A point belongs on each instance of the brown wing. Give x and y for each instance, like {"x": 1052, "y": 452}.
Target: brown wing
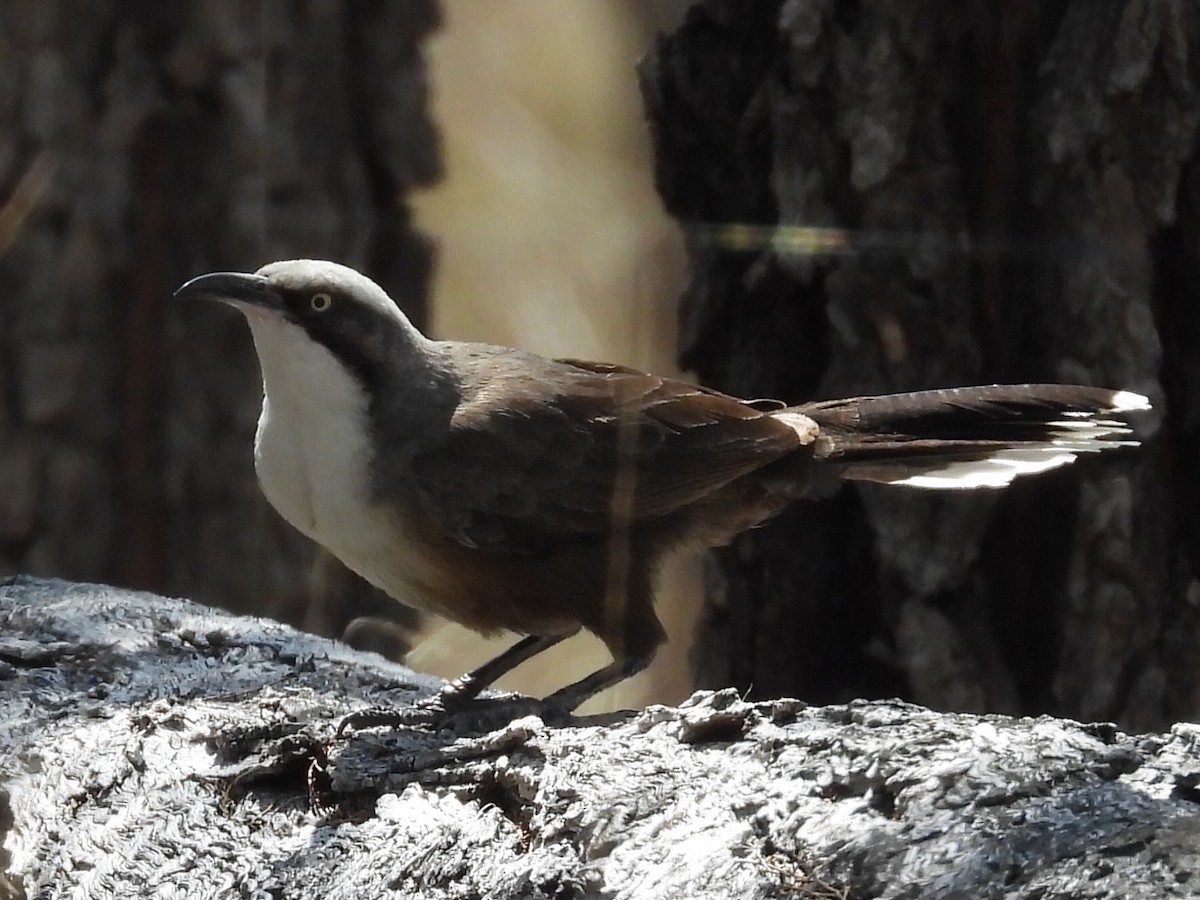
{"x": 540, "y": 449}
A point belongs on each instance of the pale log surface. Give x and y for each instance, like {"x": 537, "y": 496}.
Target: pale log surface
{"x": 155, "y": 745}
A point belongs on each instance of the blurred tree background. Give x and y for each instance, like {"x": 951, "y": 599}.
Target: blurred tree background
{"x": 873, "y": 196}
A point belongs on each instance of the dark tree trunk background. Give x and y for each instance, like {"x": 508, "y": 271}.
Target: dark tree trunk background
{"x": 1021, "y": 189}
{"x": 141, "y": 144}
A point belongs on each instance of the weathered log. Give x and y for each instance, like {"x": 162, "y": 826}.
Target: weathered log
{"x": 156, "y": 746}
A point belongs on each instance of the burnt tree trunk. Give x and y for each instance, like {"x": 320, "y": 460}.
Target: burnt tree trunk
{"x": 998, "y": 192}
{"x": 141, "y": 144}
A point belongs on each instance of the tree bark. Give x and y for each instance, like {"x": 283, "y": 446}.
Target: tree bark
{"x": 893, "y": 196}
{"x": 141, "y": 144}
{"x": 152, "y": 746}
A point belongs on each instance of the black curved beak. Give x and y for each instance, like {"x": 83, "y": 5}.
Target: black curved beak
{"x": 238, "y": 288}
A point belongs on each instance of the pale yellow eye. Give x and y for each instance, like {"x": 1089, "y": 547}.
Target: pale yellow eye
{"x": 320, "y": 302}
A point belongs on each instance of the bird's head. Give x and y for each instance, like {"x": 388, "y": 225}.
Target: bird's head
{"x": 302, "y": 291}
{"x": 295, "y": 304}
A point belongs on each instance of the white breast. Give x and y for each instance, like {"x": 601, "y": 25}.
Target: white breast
{"x": 311, "y": 454}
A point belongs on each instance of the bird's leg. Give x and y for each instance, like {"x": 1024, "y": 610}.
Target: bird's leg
{"x": 567, "y": 699}
{"x": 632, "y": 633}
{"x": 465, "y": 688}
{"x": 458, "y": 694}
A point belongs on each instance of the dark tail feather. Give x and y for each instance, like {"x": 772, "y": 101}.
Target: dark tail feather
{"x": 969, "y": 437}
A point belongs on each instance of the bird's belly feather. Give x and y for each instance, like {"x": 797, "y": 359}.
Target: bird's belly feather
{"x": 317, "y": 480}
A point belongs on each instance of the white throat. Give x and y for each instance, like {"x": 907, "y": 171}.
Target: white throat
{"x": 311, "y": 451}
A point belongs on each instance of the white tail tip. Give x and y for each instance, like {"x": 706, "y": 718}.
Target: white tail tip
{"x": 1128, "y": 401}
{"x": 994, "y": 472}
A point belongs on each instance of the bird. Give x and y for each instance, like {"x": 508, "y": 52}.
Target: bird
{"x": 511, "y": 492}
